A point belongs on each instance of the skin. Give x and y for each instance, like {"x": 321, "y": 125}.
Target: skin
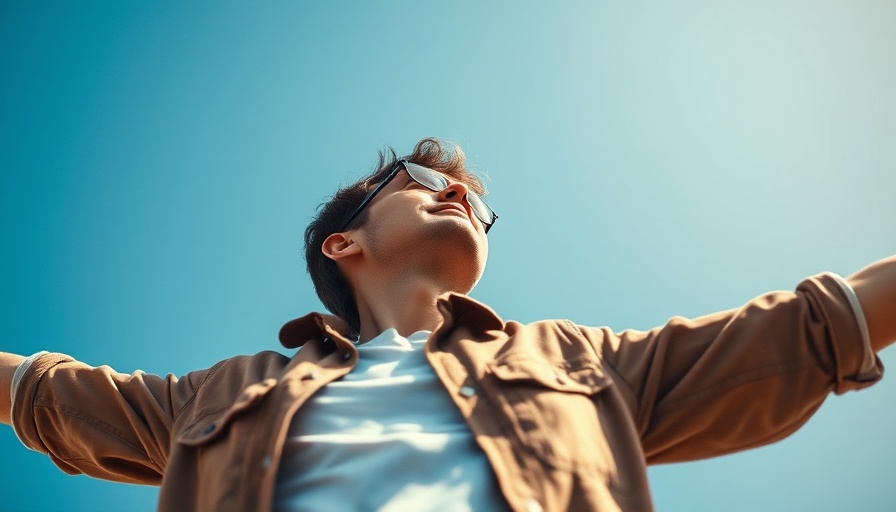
{"x": 875, "y": 286}
{"x": 8, "y": 363}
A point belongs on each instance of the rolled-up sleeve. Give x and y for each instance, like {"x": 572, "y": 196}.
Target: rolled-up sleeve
{"x": 842, "y": 325}
{"x": 20, "y": 371}
{"x": 870, "y": 369}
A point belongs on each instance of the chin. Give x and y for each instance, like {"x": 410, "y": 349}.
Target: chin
{"x": 459, "y": 257}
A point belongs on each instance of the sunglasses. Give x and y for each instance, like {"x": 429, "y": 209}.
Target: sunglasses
{"x": 433, "y": 180}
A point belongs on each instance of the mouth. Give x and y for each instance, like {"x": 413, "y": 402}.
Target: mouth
{"x": 455, "y": 208}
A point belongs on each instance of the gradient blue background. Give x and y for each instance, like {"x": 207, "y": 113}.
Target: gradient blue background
{"x": 160, "y": 161}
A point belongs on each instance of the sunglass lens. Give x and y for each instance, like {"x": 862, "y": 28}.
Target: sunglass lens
{"x": 426, "y": 177}
{"x": 482, "y": 211}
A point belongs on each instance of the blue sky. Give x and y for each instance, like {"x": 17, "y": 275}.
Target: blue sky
{"x": 159, "y": 163}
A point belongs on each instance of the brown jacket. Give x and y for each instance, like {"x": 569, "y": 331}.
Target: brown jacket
{"x": 568, "y": 416}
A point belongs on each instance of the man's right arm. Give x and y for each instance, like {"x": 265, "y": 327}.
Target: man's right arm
{"x": 8, "y": 365}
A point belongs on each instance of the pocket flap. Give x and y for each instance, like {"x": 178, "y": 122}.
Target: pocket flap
{"x": 578, "y": 376}
{"x": 210, "y": 425}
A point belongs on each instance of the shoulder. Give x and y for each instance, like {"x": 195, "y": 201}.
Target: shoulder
{"x": 249, "y": 368}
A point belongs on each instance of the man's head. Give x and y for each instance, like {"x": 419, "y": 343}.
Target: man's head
{"x": 373, "y": 219}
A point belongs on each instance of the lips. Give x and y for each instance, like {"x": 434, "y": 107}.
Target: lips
{"x": 451, "y": 207}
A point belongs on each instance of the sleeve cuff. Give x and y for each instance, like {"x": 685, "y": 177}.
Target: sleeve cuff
{"x": 869, "y": 361}
{"x": 14, "y": 385}
{"x": 22, "y": 391}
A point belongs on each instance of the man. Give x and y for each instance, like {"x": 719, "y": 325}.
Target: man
{"x": 415, "y": 396}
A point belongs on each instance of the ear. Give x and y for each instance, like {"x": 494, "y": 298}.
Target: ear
{"x": 338, "y": 246}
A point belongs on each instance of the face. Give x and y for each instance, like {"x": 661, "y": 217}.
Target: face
{"x": 436, "y": 232}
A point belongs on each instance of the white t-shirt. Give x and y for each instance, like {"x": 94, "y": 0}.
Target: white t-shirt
{"x": 385, "y": 437}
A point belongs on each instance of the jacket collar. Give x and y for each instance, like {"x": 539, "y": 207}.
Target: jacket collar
{"x": 299, "y": 331}
{"x": 456, "y": 309}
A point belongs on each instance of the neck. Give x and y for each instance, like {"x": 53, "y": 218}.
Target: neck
{"x": 404, "y": 302}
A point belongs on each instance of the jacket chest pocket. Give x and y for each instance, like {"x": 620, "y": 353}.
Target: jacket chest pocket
{"x": 551, "y": 410}
{"x": 209, "y": 426}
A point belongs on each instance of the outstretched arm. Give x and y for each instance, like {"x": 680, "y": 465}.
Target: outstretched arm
{"x": 8, "y": 364}
{"x": 875, "y": 286}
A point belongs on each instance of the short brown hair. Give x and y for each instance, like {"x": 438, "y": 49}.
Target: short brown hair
{"x": 329, "y": 283}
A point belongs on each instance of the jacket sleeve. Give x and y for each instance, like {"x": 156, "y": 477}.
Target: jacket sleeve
{"x": 740, "y": 378}
{"x": 96, "y": 421}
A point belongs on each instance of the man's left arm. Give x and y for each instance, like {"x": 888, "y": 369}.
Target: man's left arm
{"x": 875, "y": 287}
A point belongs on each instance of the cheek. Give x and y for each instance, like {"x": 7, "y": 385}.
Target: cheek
{"x": 483, "y": 252}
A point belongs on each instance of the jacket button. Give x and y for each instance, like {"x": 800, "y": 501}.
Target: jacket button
{"x": 311, "y": 376}
{"x": 209, "y": 429}
{"x": 347, "y": 355}
{"x": 467, "y": 391}
{"x": 266, "y": 462}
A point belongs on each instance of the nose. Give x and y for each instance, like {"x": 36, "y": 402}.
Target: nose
{"x": 455, "y": 191}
